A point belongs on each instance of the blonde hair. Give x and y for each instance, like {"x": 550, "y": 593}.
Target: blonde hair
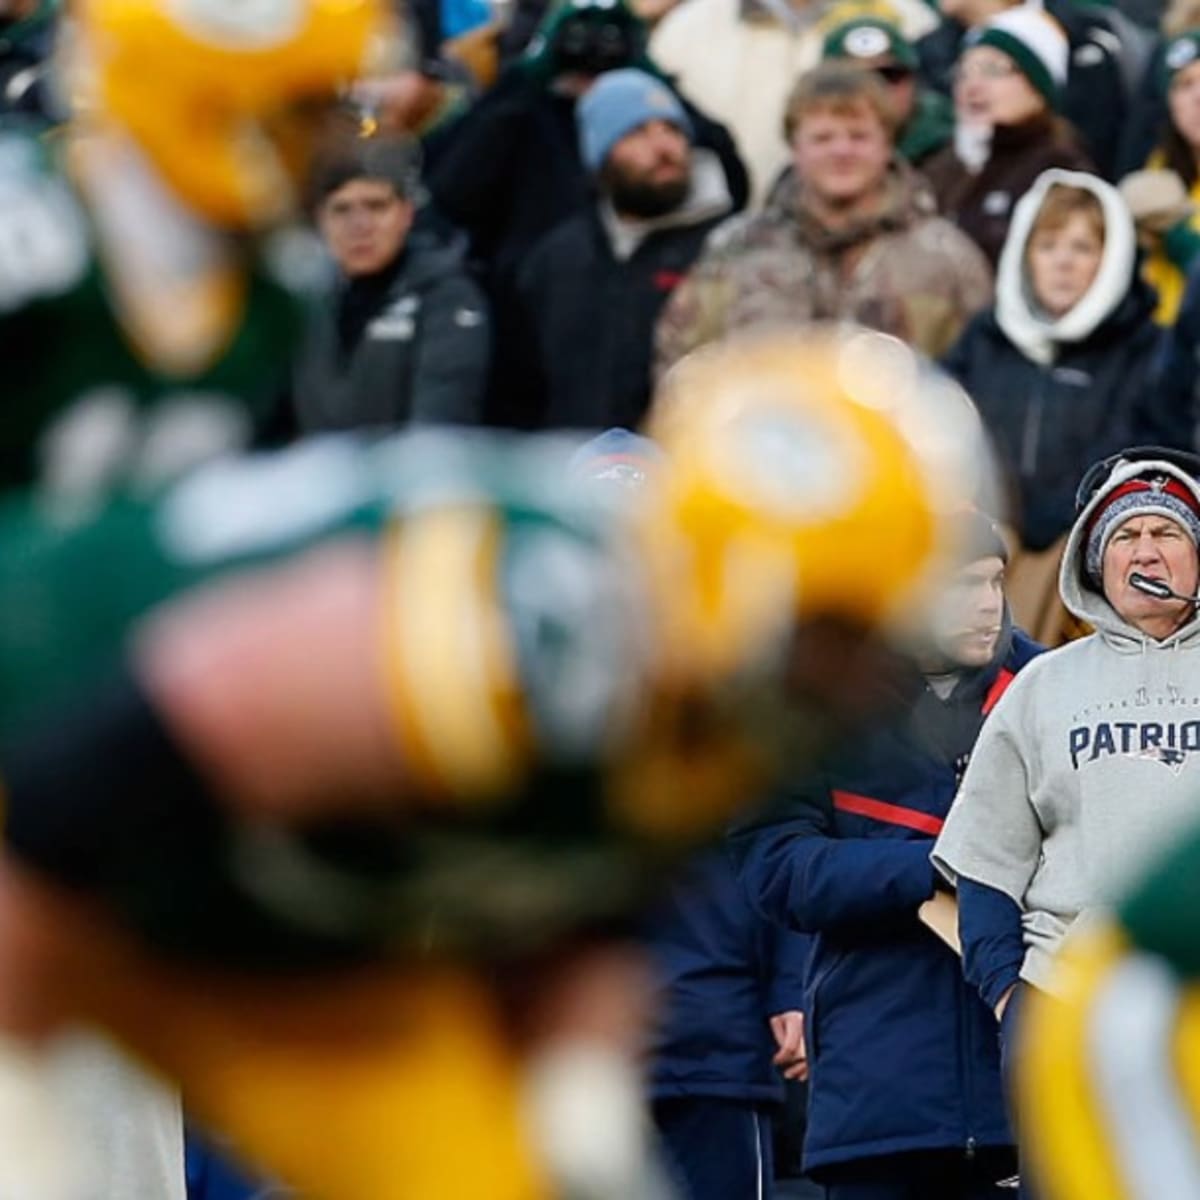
{"x": 837, "y": 87}
{"x": 1061, "y": 203}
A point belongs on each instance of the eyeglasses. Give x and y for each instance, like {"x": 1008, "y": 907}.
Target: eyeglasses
{"x": 894, "y": 73}
{"x": 1095, "y": 477}
{"x": 990, "y": 69}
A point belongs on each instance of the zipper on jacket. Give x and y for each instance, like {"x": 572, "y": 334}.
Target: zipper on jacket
{"x": 1031, "y": 435}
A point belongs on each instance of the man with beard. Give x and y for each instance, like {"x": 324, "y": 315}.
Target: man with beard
{"x": 588, "y": 297}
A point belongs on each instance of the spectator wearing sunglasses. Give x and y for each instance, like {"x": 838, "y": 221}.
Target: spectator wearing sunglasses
{"x": 924, "y": 118}
{"x": 1007, "y": 90}
{"x": 1089, "y": 766}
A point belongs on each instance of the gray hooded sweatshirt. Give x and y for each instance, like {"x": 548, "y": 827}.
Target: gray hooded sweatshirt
{"x": 1088, "y": 764}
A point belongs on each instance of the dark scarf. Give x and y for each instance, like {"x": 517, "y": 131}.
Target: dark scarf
{"x": 359, "y": 303}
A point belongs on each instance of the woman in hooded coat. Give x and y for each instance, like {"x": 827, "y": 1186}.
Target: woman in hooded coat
{"x": 1057, "y": 367}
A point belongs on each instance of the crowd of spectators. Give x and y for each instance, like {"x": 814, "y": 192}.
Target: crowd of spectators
{"x": 556, "y": 203}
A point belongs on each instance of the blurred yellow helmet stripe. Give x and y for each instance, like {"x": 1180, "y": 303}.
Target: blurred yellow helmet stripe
{"x": 451, "y": 666}
{"x": 1063, "y": 1128}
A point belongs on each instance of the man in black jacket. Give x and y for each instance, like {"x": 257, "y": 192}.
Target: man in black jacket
{"x": 578, "y": 353}
{"x": 509, "y": 171}
{"x": 405, "y": 335}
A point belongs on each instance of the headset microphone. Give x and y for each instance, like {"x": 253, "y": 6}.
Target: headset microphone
{"x": 1158, "y": 589}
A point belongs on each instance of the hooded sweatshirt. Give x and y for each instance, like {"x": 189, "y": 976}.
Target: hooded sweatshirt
{"x": 1088, "y": 765}
{"x": 1058, "y": 393}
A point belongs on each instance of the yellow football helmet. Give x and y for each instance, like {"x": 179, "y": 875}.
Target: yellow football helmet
{"x": 225, "y": 95}
{"x": 813, "y": 475}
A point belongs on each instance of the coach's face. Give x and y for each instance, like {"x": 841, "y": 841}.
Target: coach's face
{"x": 1161, "y": 549}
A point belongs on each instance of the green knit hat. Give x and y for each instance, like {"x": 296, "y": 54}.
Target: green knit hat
{"x": 1178, "y": 53}
{"x": 869, "y": 37}
{"x": 1035, "y": 42}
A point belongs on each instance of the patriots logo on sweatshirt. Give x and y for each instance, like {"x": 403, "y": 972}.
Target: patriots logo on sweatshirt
{"x": 1166, "y": 742}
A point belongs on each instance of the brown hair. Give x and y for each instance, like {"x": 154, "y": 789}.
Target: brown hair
{"x": 839, "y": 87}
{"x": 1061, "y": 203}
{"x": 1177, "y": 154}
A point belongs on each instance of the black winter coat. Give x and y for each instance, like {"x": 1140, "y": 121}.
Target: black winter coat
{"x": 423, "y": 354}
{"x": 981, "y": 204}
{"x": 1051, "y": 422}
{"x": 580, "y": 351}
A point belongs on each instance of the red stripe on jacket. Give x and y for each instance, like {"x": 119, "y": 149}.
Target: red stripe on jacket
{"x": 891, "y": 814}
{"x": 998, "y": 688}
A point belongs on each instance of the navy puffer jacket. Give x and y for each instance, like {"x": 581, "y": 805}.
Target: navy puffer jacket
{"x": 903, "y": 1054}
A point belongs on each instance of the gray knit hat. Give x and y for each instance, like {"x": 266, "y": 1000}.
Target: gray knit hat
{"x": 1148, "y": 495}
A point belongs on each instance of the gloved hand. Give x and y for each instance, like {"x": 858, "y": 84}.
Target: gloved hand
{"x": 1157, "y": 200}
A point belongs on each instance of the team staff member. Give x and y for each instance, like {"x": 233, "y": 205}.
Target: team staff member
{"x": 1087, "y": 767}
{"x": 905, "y": 1101}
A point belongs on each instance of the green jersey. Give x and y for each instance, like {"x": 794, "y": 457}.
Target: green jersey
{"x": 135, "y": 341}
{"x": 1160, "y": 914}
{"x": 71, "y": 587}
{"x": 561, "y": 582}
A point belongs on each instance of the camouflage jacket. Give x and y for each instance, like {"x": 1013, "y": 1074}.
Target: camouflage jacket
{"x": 904, "y": 270}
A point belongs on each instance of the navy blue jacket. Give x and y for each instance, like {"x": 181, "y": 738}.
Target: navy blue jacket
{"x": 903, "y": 1054}
{"x": 724, "y": 971}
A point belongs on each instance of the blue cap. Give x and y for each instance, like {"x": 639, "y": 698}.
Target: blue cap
{"x": 616, "y": 104}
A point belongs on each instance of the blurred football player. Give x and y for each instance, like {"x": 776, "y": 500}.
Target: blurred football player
{"x": 149, "y": 282}
{"x": 1110, "y": 1059}
{"x": 444, "y": 745}
{"x": 147, "y": 293}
